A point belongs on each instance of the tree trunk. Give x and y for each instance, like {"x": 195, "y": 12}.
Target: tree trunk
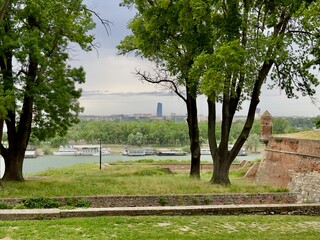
{"x": 193, "y": 135}
{"x": 221, "y": 168}
{"x": 13, "y": 166}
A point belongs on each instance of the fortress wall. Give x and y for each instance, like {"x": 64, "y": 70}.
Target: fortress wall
{"x": 285, "y": 157}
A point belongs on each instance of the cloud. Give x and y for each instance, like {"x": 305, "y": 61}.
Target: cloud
{"x": 94, "y": 94}
{"x": 113, "y": 88}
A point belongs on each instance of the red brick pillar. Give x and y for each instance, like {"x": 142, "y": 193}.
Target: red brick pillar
{"x": 265, "y": 127}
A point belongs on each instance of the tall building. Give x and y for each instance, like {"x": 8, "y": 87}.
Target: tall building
{"x": 159, "y": 110}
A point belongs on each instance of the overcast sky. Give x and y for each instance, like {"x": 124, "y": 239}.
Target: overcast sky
{"x": 112, "y": 88}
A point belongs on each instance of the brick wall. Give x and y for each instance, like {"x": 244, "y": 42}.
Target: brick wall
{"x": 285, "y": 157}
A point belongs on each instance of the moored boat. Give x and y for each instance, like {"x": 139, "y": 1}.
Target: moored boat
{"x": 81, "y": 150}
{"x": 171, "y": 153}
{"x": 134, "y": 152}
{"x": 66, "y": 151}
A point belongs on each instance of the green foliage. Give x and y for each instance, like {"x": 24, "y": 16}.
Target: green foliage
{"x": 79, "y": 203}
{"x": 163, "y": 200}
{"x": 316, "y": 121}
{"x": 207, "y": 200}
{"x": 133, "y": 133}
{"x": 4, "y": 205}
{"x": 41, "y": 203}
{"x": 252, "y": 142}
{"x": 35, "y": 38}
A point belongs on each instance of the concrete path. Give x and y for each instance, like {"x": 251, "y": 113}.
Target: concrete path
{"x": 271, "y": 209}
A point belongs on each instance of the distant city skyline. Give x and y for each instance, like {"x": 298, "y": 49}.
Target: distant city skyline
{"x": 112, "y": 87}
{"x": 146, "y": 102}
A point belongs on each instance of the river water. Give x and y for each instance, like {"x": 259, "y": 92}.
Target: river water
{"x": 34, "y": 165}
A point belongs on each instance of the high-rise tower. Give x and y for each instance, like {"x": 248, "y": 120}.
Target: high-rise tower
{"x": 159, "y": 110}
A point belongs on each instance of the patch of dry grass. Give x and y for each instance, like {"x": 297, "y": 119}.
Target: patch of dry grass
{"x": 309, "y": 135}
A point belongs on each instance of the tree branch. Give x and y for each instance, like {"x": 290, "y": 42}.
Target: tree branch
{"x": 105, "y": 23}
{"x": 4, "y": 8}
{"x": 159, "y": 79}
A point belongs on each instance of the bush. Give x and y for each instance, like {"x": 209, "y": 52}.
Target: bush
{"x": 4, "y": 205}
{"x": 163, "y": 201}
{"x": 74, "y": 202}
{"x": 41, "y": 203}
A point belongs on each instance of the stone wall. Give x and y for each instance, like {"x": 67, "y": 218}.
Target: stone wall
{"x": 285, "y": 157}
{"x": 181, "y": 200}
{"x": 307, "y": 185}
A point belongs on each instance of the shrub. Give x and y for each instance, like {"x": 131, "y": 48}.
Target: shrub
{"x": 41, "y": 203}
{"x": 163, "y": 201}
{"x": 4, "y": 205}
{"x": 75, "y": 202}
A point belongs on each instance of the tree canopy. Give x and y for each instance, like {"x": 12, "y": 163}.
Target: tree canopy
{"x": 172, "y": 34}
{"x": 255, "y": 42}
{"x": 37, "y": 80}
{"x": 227, "y": 49}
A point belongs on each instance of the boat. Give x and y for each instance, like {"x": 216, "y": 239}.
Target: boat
{"x": 104, "y": 151}
{"x": 171, "y": 153}
{"x": 66, "y": 151}
{"x": 134, "y": 152}
{"x": 81, "y": 150}
{"x": 30, "y": 154}
{"x": 149, "y": 151}
{"x": 205, "y": 151}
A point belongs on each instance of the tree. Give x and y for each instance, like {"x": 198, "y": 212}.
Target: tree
{"x": 135, "y": 139}
{"x": 252, "y": 142}
{"x": 3, "y": 9}
{"x": 316, "y": 121}
{"x": 281, "y": 125}
{"x": 254, "y": 40}
{"x": 172, "y": 34}
{"x": 35, "y": 42}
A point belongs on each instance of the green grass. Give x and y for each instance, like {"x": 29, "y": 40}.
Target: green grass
{"x": 166, "y": 227}
{"x": 87, "y": 179}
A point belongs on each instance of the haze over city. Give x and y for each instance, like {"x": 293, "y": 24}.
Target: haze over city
{"x": 112, "y": 87}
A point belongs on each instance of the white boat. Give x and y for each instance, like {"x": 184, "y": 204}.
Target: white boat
{"x": 104, "y": 151}
{"x": 205, "y": 151}
{"x": 30, "y": 154}
{"x": 171, "y": 153}
{"x": 66, "y": 151}
{"x": 134, "y": 152}
{"x": 149, "y": 151}
{"x": 81, "y": 150}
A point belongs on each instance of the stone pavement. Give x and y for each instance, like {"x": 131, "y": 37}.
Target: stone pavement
{"x": 262, "y": 209}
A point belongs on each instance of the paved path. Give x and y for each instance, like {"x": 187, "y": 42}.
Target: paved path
{"x": 28, "y": 214}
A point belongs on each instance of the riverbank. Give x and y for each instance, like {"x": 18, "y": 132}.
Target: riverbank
{"x": 34, "y": 165}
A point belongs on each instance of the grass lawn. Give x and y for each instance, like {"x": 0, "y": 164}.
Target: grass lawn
{"x": 166, "y": 227}
{"x": 136, "y": 179}
{"x": 87, "y": 179}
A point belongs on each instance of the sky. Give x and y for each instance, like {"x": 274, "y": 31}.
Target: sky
{"x": 112, "y": 88}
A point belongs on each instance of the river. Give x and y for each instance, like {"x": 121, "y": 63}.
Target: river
{"x": 34, "y": 165}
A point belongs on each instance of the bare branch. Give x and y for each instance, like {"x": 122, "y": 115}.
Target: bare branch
{"x": 105, "y": 23}
{"x": 161, "y": 79}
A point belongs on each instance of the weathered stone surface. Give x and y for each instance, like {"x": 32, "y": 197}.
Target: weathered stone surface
{"x": 285, "y": 157}
{"x": 261, "y": 209}
{"x": 181, "y": 199}
{"x": 307, "y": 185}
